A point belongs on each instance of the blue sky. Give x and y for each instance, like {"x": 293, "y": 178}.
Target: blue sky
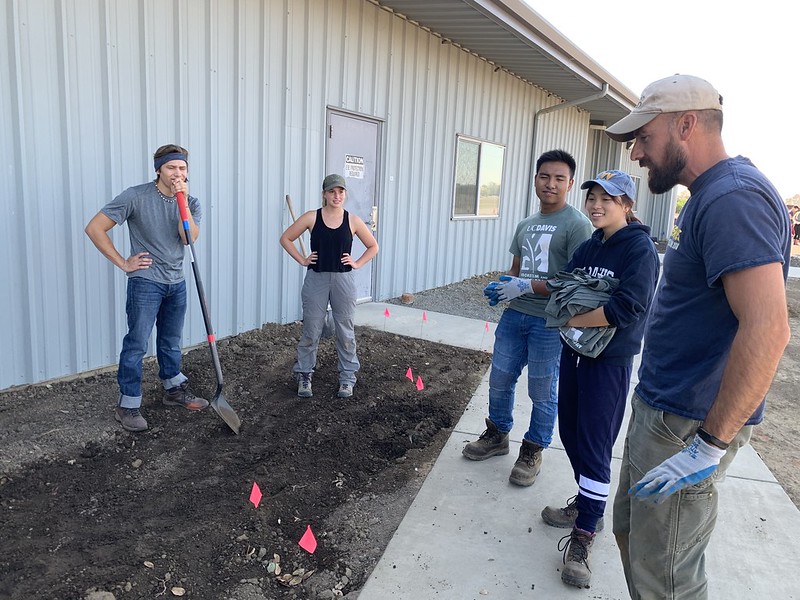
{"x": 751, "y": 57}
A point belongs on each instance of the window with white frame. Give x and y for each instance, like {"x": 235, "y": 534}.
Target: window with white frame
{"x": 478, "y": 178}
{"x": 636, "y": 181}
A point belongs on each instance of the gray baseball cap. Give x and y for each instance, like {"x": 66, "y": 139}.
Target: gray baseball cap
{"x": 333, "y": 181}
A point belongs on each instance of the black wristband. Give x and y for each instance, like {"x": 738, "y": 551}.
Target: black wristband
{"x": 712, "y": 440}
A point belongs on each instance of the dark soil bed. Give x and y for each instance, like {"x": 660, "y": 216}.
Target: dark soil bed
{"x": 86, "y": 507}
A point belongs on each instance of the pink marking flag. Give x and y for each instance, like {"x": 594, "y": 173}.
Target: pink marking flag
{"x": 409, "y": 375}
{"x": 255, "y": 495}
{"x": 420, "y": 385}
{"x": 485, "y": 331}
{"x": 424, "y": 316}
{"x": 386, "y": 313}
{"x": 308, "y": 542}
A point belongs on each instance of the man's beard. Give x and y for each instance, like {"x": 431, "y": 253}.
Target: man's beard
{"x": 663, "y": 178}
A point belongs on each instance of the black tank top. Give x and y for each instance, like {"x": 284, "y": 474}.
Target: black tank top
{"x": 330, "y": 244}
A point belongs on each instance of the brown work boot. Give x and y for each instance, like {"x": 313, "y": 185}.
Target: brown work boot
{"x": 130, "y": 419}
{"x": 181, "y": 395}
{"x": 491, "y": 443}
{"x": 528, "y": 464}
{"x": 565, "y": 517}
{"x": 577, "y": 551}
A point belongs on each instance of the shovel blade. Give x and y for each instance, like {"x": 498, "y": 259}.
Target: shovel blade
{"x": 226, "y": 413}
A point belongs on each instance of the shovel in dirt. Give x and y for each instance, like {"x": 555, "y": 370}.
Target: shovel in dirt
{"x": 219, "y": 404}
{"x": 328, "y": 327}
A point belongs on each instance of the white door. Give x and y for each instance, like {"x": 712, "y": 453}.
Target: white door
{"x": 352, "y": 151}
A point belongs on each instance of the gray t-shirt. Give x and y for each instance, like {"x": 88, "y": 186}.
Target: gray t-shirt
{"x": 545, "y": 243}
{"x": 153, "y": 225}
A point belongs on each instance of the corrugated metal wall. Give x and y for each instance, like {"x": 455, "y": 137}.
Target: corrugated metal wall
{"x": 568, "y": 130}
{"x": 435, "y": 92}
{"x": 89, "y": 89}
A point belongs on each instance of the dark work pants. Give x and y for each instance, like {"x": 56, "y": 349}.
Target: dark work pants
{"x": 591, "y": 404}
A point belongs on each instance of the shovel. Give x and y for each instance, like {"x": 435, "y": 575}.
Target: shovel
{"x": 219, "y": 404}
{"x": 328, "y": 327}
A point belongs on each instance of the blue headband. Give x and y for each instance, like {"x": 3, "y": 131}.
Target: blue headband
{"x": 158, "y": 162}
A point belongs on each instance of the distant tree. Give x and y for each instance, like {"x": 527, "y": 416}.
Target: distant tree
{"x": 683, "y": 196}
{"x": 491, "y": 188}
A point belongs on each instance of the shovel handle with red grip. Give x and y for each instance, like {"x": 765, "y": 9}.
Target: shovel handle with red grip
{"x": 219, "y": 403}
{"x": 184, "y": 212}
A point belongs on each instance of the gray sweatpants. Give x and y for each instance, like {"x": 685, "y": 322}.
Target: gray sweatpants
{"x": 318, "y": 290}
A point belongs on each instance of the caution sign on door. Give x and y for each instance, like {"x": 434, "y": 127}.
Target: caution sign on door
{"x": 353, "y": 166}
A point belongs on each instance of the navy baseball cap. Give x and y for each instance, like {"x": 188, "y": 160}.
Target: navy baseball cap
{"x": 615, "y": 183}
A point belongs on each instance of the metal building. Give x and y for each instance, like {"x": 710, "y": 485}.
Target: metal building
{"x": 407, "y": 98}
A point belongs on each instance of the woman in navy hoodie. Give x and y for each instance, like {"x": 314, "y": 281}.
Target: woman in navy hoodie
{"x": 592, "y": 392}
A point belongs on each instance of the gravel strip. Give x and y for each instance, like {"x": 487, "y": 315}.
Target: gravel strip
{"x": 465, "y": 298}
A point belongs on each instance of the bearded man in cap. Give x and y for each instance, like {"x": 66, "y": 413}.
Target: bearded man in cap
{"x": 716, "y": 333}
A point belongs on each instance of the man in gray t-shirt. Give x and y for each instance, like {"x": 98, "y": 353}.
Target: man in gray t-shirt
{"x": 542, "y": 245}
{"x": 156, "y": 291}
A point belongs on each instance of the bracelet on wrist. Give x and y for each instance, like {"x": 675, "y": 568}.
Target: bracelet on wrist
{"x": 711, "y": 440}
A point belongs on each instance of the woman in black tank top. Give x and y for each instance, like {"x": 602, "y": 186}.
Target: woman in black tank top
{"x": 329, "y": 280}
{"x": 330, "y": 245}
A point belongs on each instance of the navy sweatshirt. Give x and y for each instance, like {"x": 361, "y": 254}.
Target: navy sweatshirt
{"x": 630, "y": 256}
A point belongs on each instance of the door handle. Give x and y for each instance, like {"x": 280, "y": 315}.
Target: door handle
{"x": 373, "y": 219}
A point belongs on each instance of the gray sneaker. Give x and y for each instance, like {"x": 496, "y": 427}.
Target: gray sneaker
{"x": 565, "y": 517}
{"x": 491, "y": 443}
{"x": 130, "y": 419}
{"x": 577, "y": 552}
{"x": 528, "y": 465}
{"x": 304, "y": 385}
{"x": 181, "y": 395}
{"x": 345, "y": 390}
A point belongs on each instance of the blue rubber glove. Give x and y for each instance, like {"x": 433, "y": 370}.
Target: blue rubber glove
{"x": 688, "y": 467}
{"x": 491, "y": 292}
{"x": 507, "y": 288}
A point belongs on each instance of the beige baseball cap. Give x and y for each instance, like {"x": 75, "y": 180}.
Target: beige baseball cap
{"x": 677, "y": 93}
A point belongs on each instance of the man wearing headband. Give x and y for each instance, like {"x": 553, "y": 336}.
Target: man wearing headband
{"x": 156, "y": 290}
{"x": 713, "y": 340}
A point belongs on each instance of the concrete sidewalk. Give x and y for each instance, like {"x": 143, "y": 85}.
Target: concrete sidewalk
{"x": 470, "y": 534}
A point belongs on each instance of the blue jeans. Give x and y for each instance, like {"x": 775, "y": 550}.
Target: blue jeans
{"x": 522, "y": 340}
{"x": 150, "y": 303}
